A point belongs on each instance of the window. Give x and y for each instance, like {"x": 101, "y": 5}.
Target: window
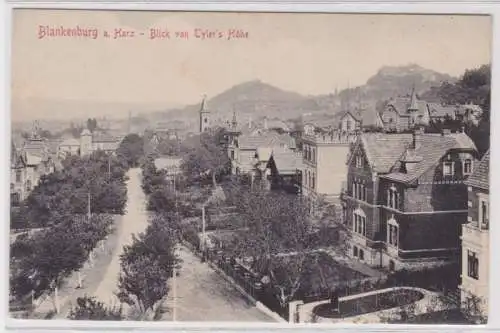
{"x": 12, "y": 187}
{"x": 359, "y": 191}
{"x": 206, "y": 120}
{"x": 18, "y": 176}
{"x": 361, "y": 254}
{"x": 472, "y": 265}
{"x": 448, "y": 169}
{"x": 359, "y": 222}
{"x": 348, "y": 124}
{"x": 313, "y": 183}
{"x": 313, "y": 155}
{"x": 28, "y": 185}
{"x": 355, "y": 251}
{"x": 467, "y": 166}
{"x": 15, "y": 198}
{"x": 359, "y": 161}
{"x": 393, "y": 197}
{"x": 393, "y": 232}
{"x": 232, "y": 154}
{"x": 483, "y": 213}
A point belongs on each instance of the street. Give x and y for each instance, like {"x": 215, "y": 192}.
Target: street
{"x": 134, "y": 221}
{"x": 203, "y": 295}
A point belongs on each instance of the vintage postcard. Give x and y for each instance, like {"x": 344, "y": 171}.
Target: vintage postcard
{"x": 249, "y": 167}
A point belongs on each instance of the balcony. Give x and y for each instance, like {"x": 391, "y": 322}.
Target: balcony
{"x": 471, "y": 232}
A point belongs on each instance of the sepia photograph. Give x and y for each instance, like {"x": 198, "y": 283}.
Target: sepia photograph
{"x": 249, "y": 167}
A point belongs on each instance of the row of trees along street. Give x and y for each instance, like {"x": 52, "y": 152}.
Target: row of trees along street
{"x": 148, "y": 263}
{"x": 74, "y": 209}
{"x": 99, "y": 178}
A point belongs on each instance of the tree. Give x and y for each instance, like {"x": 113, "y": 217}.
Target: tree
{"x": 473, "y": 87}
{"x": 89, "y": 308}
{"x": 57, "y": 253}
{"x": 91, "y": 124}
{"x": 277, "y": 237}
{"x": 131, "y": 150}
{"x": 208, "y": 159}
{"x": 148, "y": 263}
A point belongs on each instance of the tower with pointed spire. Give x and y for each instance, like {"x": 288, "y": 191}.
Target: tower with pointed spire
{"x": 234, "y": 122}
{"x": 413, "y": 107}
{"x": 204, "y": 116}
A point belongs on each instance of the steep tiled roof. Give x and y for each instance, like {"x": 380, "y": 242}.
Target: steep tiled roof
{"x": 104, "y": 138}
{"x": 36, "y": 148}
{"x": 168, "y": 163}
{"x": 383, "y": 150}
{"x": 265, "y": 139}
{"x": 286, "y": 160}
{"x": 401, "y": 104}
{"x": 70, "y": 142}
{"x": 430, "y": 149}
{"x": 481, "y": 174}
{"x": 368, "y": 117}
{"x": 438, "y": 110}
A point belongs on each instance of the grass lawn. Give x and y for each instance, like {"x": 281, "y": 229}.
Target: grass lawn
{"x": 453, "y": 317}
{"x": 323, "y": 272}
{"x": 368, "y": 304}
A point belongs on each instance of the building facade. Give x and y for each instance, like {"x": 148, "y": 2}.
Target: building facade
{"x": 324, "y": 164}
{"x": 475, "y": 243}
{"x": 405, "y": 197}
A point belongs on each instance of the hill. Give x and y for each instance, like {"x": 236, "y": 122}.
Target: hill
{"x": 257, "y": 99}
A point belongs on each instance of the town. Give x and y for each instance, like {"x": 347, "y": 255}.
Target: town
{"x": 371, "y": 214}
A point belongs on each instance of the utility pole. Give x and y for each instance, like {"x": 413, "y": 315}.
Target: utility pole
{"x": 203, "y": 226}
{"x": 89, "y": 214}
{"x": 174, "y": 286}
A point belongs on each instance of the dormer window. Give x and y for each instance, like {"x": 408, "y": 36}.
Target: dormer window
{"x": 448, "y": 168}
{"x": 467, "y": 166}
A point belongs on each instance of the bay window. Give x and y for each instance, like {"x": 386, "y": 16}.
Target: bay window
{"x": 393, "y": 232}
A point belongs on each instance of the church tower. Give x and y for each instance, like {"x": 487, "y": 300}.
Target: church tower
{"x": 204, "y": 116}
{"x": 413, "y": 108}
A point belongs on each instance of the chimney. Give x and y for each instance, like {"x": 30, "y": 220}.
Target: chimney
{"x": 265, "y": 123}
{"x": 413, "y": 140}
{"x": 415, "y": 137}
{"x": 250, "y": 122}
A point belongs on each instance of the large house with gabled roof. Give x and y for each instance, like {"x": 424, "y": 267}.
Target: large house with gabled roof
{"x": 405, "y": 197}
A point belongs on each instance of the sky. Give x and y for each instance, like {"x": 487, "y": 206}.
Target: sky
{"x": 306, "y": 53}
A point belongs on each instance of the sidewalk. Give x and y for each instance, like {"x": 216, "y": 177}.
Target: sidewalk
{"x": 90, "y": 275}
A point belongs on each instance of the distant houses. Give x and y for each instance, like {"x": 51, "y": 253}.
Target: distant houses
{"x": 403, "y": 113}
{"x": 87, "y": 144}
{"x": 28, "y": 164}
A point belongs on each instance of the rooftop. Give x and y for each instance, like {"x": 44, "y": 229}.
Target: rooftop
{"x": 430, "y": 149}
{"x": 481, "y": 174}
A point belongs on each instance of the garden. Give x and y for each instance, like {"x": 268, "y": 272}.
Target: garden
{"x": 367, "y": 304}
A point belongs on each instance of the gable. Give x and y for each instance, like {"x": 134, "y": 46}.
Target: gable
{"x": 358, "y": 150}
